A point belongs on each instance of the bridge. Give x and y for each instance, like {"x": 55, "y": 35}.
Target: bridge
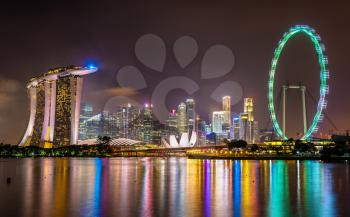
{"x": 161, "y": 152}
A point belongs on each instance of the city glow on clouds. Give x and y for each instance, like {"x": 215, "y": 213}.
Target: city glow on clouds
{"x": 8, "y": 91}
{"x": 8, "y": 88}
{"x": 117, "y": 91}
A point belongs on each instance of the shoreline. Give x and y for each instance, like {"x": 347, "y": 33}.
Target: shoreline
{"x": 202, "y": 157}
{"x": 270, "y": 157}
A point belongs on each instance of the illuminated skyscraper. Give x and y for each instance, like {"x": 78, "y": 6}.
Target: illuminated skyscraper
{"x": 85, "y": 114}
{"x": 244, "y": 127}
{"x": 201, "y": 132}
{"x": 91, "y": 128}
{"x": 236, "y": 126}
{"x": 109, "y": 125}
{"x": 226, "y": 107}
{"x": 132, "y": 121}
{"x": 171, "y": 124}
{"x": 256, "y": 132}
{"x": 55, "y": 107}
{"x": 218, "y": 121}
{"x": 181, "y": 118}
{"x": 147, "y": 121}
{"x": 191, "y": 115}
{"x": 248, "y": 127}
{"x": 248, "y": 108}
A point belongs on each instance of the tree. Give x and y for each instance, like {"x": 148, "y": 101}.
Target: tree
{"x": 254, "y": 148}
{"x": 302, "y": 147}
{"x": 241, "y": 144}
{"x": 339, "y": 149}
{"x": 103, "y": 140}
{"x": 236, "y": 144}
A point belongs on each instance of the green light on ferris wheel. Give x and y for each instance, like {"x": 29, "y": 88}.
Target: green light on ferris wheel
{"x": 324, "y": 75}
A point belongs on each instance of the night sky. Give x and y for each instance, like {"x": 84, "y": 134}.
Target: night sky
{"x": 40, "y": 35}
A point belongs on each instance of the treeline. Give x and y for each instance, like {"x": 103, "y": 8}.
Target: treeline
{"x": 295, "y": 147}
{"x": 100, "y": 150}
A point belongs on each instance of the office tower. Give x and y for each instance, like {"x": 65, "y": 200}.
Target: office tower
{"x": 171, "y": 124}
{"x": 85, "y": 114}
{"x": 235, "y": 126}
{"x": 93, "y": 126}
{"x": 133, "y": 122}
{"x": 208, "y": 129}
{"x": 226, "y": 107}
{"x": 217, "y": 121}
{"x": 124, "y": 129}
{"x": 201, "y": 132}
{"x": 109, "y": 125}
{"x": 181, "y": 118}
{"x": 256, "y": 132}
{"x": 147, "y": 122}
{"x": 157, "y": 132}
{"x": 55, "y": 107}
{"x": 248, "y": 127}
{"x": 244, "y": 127}
{"x": 248, "y": 108}
{"x": 191, "y": 115}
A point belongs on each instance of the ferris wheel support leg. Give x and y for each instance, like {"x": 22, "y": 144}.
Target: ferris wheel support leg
{"x": 303, "y": 88}
{"x": 284, "y": 88}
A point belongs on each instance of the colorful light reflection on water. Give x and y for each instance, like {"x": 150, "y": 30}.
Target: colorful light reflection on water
{"x": 172, "y": 187}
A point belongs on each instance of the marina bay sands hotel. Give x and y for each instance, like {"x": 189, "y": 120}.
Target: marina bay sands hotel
{"x": 55, "y": 107}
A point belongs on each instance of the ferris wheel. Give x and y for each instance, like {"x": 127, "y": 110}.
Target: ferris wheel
{"x": 324, "y": 76}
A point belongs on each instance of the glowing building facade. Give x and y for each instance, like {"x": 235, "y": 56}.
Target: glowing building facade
{"x": 171, "y": 123}
{"x": 248, "y": 108}
{"x": 226, "y": 107}
{"x": 235, "y": 126}
{"x": 85, "y": 114}
{"x": 218, "y": 121}
{"x": 248, "y": 127}
{"x": 181, "y": 118}
{"x": 191, "y": 115}
{"x": 55, "y": 107}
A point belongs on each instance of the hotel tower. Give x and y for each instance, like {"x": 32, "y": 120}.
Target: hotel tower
{"x": 55, "y": 107}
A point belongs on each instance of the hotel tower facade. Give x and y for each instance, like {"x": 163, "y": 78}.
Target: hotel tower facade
{"x": 55, "y": 107}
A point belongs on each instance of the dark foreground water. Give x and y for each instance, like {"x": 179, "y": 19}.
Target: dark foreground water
{"x": 172, "y": 187}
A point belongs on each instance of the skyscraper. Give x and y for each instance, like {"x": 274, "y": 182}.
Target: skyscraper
{"x": 181, "y": 118}
{"x": 248, "y": 108}
{"x": 236, "y": 126}
{"x": 171, "y": 123}
{"x": 147, "y": 122}
{"x": 201, "y": 132}
{"x": 133, "y": 121}
{"x": 226, "y": 107}
{"x": 217, "y": 121}
{"x": 55, "y": 107}
{"x": 244, "y": 127}
{"x": 85, "y": 114}
{"x": 191, "y": 115}
{"x": 109, "y": 125}
{"x": 248, "y": 127}
{"x": 92, "y": 127}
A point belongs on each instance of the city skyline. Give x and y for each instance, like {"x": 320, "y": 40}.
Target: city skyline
{"x": 174, "y": 108}
{"x": 42, "y": 93}
{"x": 112, "y": 49}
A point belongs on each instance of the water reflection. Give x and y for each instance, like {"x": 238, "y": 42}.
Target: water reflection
{"x": 172, "y": 187}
